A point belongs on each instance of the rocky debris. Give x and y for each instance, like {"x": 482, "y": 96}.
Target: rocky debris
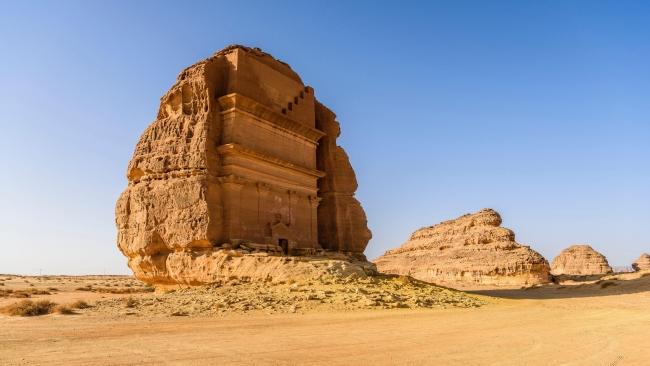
{"x": 580, "y": 260}
{"x": 291, "y": 296}
{"x": 241, "y": 152}
{"x": 642, "y": 263}
{"x": 470, "y": 251}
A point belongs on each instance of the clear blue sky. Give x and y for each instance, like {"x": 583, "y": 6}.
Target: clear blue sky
{"x": 538, "y": 109}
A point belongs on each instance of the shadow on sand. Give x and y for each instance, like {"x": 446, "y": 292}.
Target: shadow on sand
{"x": 615, "y": 285}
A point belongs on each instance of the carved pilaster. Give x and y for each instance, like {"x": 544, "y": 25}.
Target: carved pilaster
{"x": 314, "y": 202}
{"x": 232, "y": 187}
{"x": 263, "y": 191}
{"x": 293, "y": 205}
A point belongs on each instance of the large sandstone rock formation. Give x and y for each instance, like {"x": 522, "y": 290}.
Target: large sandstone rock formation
{"x": 470, "y": 251}
{"x": 580, "y": 260}
{"x": 241, "y": 155}
{"x": 643, "y": 263}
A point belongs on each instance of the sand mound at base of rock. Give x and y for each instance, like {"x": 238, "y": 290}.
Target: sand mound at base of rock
{"x": 330, "y": 292}
{"x": 219, "y": 266}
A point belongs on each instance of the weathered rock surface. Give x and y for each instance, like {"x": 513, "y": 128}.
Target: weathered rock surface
{"x": 642, "y": 263}
{"x": 470, "y": 251}
{"x": 580, "y": 260}
{"x": 241, "y": 152}
{"x": 196, "y": 268}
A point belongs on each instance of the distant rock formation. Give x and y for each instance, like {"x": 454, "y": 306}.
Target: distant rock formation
{"x": 470, "y": 251}
{"x": 580, "y": 260}
{"x": 643, "y": 263}
{"x": 241, "y": 155}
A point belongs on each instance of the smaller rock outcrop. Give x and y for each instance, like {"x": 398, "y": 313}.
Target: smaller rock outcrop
{"x": 580, "y": 260}
{"x": 472, "y": 251}
{"x": 643, "y": 263}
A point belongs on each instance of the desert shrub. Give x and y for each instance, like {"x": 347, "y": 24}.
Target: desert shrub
{"x": 404, "y": 280}
{"x": 63, "y": 309}
{"x": 79, "y": 304}
{"x": 607, "y": 284}
{"x": 645, "y": 275}
{"x": 35, "y": 291}
{"x": 29, "y": 308}
{"x": 123, "y": 290}
{"x": 17, "y": 294}
{"x": 130, "y": 302}
{"x": 53, "y": 289}
{"x": 85, "y": 288}
{"x": 24, "y": 293}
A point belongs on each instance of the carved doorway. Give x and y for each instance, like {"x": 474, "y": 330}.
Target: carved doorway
{"x": 283, "y": 236}
{"x": 284, "y": 244}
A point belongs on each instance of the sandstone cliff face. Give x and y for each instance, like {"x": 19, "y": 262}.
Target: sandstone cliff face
{"x": 580, "y": 260}
{"x": 643, "y": 263}
{"x": 470, "y": 251}
{"x": 237, "y": 154}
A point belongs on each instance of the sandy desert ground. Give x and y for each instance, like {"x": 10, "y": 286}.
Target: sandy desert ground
{"x": 604, "y": 322}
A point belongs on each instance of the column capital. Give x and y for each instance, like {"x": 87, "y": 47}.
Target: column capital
{"x": 263, "y": 187}
{"x": 315, "y": 200}
{"x": 232, "y": 179}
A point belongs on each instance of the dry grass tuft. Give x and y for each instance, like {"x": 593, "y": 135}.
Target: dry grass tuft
{"x": 63, "y": 310}
{"x": 130, "y": 302}
{"x": 79, "y": 304}
{"x": 29, "y": 308}
{"x": 124, "y": 290}
{"x": 23, "y": 293}
{"x": 121, "y": 290}
{"x": 404, "y": 280}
